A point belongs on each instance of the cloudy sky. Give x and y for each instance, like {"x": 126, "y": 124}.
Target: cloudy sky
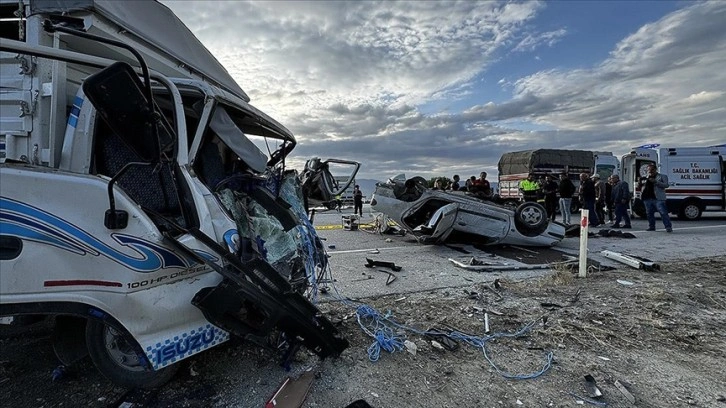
{"x": 434, "y": 88}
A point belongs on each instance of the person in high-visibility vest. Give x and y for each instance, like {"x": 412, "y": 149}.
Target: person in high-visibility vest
{"x": 529, "y": 188}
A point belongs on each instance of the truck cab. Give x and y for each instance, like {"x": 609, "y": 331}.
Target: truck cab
{"x": 138, "y": 206}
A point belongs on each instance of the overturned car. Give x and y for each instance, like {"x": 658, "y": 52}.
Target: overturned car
{"x": 436, "y": 216}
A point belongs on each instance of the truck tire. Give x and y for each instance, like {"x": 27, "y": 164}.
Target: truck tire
{"x": 530, "y": 219}
{"x": 690, "y": 211}
{"x": 119, "y": 358}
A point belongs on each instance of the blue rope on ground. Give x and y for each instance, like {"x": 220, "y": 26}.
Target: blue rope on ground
{"x": 381, "y": 328}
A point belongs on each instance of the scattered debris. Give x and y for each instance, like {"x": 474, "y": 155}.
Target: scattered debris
{"x": 481, "y": 266}
{"x": 603, "y": 358}
{"x": 371, "y": 263}
{"x": 551, "y": 306}
{"x": 486, "y": 322}
{"x": 632, "y": 261}
{"x": 437, "y": 345}
{"x": 58, "y": 373}
{"x": 358, "y": 404}
{"x": 591, "y": 386}
{"x": 292, "y": 393}
{"x": 625, "y": 391}
{"x": 625, "y": 282}
{"x": 582, "y": 400}
{"x": 410, "y": 346}
{"x": 442, "y": 338}
{"x": 391, "y": 277}
{"x": 613, "y": 233}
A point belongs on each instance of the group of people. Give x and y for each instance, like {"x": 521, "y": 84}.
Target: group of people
{"x": 603, "y": 199}
{"x": 477, "y": 186}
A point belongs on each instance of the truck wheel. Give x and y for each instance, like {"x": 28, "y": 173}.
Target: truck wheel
{"x": 530, "y": 219}
{"x": 690, "y": 211}
{"x": 120, "y": 360}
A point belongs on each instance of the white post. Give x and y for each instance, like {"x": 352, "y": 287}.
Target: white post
{"x": 584, "y": 229}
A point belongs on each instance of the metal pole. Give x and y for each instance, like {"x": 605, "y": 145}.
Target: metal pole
{"x": 584, "y": 229}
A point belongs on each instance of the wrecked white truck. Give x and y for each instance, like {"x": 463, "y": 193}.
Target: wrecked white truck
{"x": 436, "y": 216}
{"x": 137, "y": 207}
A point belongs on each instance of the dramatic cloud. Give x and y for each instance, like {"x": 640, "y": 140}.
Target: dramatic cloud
{"x": 399, "y": 86}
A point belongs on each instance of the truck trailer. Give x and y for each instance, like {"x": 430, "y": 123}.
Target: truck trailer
{"x": 515, "y": 166}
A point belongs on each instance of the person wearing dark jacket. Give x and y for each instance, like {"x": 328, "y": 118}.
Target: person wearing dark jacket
{"x": 567, "y": 190}
{"x": 654, "y": 197}
{"x": 588, "y": 198}
{"x": 621, "y": 199}
{"x": 549, "y": 189}
{"x": 357, "y": 201}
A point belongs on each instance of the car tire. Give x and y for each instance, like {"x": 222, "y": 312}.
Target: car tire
{"x": 119, "y": 358}
{"x": 530, "y": 219}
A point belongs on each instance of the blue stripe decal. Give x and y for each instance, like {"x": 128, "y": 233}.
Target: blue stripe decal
{"x": 75, "y": 111}
{"x": 30, "y": 223}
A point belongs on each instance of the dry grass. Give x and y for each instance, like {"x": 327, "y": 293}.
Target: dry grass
{"x": 560, "y": 276}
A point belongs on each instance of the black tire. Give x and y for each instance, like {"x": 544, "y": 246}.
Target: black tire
{"x": 530, "y": 219}
{"x": 119, "y": 358}
{"x": 690, "y": 211}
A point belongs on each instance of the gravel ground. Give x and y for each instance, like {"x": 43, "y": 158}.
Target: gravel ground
{"x": 659, "y": 334}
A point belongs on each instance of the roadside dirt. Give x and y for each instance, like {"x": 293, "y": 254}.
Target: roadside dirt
{"x": 662, "y": 335}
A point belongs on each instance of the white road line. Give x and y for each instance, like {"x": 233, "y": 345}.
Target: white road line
{"x": 352, "y": 251}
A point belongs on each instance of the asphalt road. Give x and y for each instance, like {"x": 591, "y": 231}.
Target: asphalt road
{"x": 427, "y": 267}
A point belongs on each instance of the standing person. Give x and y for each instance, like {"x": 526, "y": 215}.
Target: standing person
{"x": 549, "y": 189}
{"x": 567, "y": 190}
{"x": 529, "y": 188}
{"x": 654, "y": 197}
{"x": 609, "y": 203}
{"x": 587, "y": 195}
{"x": 600, "y": 191}
{"x": 455, "y": 184}
{"x": 357, "y": 200}
{"x": 338, "y": 203}
{"x": 621, "y": 199}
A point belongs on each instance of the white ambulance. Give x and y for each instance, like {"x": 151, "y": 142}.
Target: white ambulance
{"x": 695, "y": 174}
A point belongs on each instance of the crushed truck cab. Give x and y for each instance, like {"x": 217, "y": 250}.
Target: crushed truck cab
{"x": 138, "y": 205}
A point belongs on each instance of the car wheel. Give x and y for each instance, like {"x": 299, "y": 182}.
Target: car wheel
{"x": 118, "y": 357}
{"x": 530, "y": 219}
{"x": 690, "y": 211}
